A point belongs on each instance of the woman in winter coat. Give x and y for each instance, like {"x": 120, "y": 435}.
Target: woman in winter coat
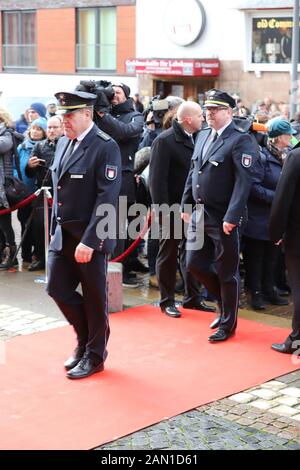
{"x": 6, "y": 169}
{"x": 36, "y": 133}
{"x": 260, "y": 254}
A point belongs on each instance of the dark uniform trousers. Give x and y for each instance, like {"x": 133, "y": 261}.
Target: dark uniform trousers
{"x": 292, "y": 261}
{"x": 222, "y": 251}
{"x": 88, "y": 312}
{"x": 166, "y": 267}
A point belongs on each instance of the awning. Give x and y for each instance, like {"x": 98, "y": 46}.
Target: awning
{"x": 176, "y": 67}
{"x": 265, "y": 4}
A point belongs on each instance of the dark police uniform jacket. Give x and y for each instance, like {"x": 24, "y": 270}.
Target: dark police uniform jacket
{"x": 91, "y": 177}
{"x": 285, "y": 212}
{"x": 223, "y": 178}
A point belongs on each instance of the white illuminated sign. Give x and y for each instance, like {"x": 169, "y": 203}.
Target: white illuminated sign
{"x": 184, "y": 21}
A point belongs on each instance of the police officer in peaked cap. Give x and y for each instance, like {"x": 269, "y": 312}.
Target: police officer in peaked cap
{"x": 71, "y": 102}
{"x": 219, "y": 182}
{"x": 86, "y": 173}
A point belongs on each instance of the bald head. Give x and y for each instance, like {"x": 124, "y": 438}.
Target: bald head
{"x": 190, "y": 116}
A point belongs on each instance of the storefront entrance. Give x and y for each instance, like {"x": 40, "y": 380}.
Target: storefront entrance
{"x": 187, "y": 78}
{"x": 187, "y": 88}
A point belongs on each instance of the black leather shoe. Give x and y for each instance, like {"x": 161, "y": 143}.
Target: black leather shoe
{"x": 138, "y": 266}
{"x": 283, "y": 293}
{"x": 172, "y": 311}
{"x": 220, "y": 335}
{"x": 283, "y": 348}
{"x": 74, "y": 359}
{"x": 216, "y": 323}
{"x": 199, "y": 305}
{"x": 85, "y": 367}
{"x": 36, "y": 266}
{"x": 273, "y": 298}
{"x": 257, "y": 302}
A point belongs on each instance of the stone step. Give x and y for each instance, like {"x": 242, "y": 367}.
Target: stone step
{"x": 115, "y": 290}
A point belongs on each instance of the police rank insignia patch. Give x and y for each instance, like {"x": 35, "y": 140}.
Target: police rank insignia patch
{"x": 246, "y": 160}
{"x": 110, "y": 172}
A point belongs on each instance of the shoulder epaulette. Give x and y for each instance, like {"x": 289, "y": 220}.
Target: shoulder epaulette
{"x": 240, "y": 129}
{"x": 103, "y": 135}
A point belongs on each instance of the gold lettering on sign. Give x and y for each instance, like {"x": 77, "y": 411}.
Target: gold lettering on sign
{"x": 262, "y": 24}
{"x": 273, "y": 23}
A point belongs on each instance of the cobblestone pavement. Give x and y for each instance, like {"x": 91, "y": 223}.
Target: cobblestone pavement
{"x": 263, "y": 417}
{"x": 201, "y": 430}
{"x": 15, "y": 321}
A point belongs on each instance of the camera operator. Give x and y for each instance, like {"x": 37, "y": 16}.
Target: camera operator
{"x": 38, "y": 167}
{"x": 155, "y": 115}
{"x": 125, "y": 125}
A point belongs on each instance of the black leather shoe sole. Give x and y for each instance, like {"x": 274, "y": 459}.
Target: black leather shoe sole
{"x": 220, "y": 336}
{"x": 258, "y": 307}
{"x": 36, "y": 267}
{"x": 282, "y": 348}
{"x": 73, "y": 374}
{"x": 199, "y": 306}
{"x": 171, "y": 312}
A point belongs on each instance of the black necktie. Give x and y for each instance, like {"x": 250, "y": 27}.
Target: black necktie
{"x": 214, "y": 139}
{"x": 68, "y": 153}
{"x": 210, "y": 144}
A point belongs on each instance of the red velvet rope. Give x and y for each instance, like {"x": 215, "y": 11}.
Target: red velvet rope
{"x": 21, "y": 204}
{"x": 24, "y": 203}
{"x": 119, "y": 258}
{"x": 136, "y": 242}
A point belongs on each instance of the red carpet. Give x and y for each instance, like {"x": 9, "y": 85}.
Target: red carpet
{"x": 157, "y": 367}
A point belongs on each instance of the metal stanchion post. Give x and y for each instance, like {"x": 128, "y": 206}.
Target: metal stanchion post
{"x": 46, "y": 196}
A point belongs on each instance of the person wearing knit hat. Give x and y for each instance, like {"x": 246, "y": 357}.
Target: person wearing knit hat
{"x": 36, "y": 110}
{"x": 262, "y": 258}
{"x": 36, "y": 133}
{"x": 278, "y": 127}
{"x": 124, "y": 88}
{"x": 40, "y": 122}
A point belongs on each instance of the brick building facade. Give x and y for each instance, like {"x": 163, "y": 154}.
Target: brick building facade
{"x": 55, "y": 24}
{"x": 50, "y": 46}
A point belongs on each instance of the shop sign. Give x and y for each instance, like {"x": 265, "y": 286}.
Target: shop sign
{"x": 176, "y": 67}
{"x": 272, "y": 40}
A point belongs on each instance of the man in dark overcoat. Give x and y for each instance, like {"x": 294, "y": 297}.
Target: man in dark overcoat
{"x": 170, "y": 161}
{"x": 285, "y": 224}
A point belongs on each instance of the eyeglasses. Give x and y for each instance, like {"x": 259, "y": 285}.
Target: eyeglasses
{"x": 215, "y": 109}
